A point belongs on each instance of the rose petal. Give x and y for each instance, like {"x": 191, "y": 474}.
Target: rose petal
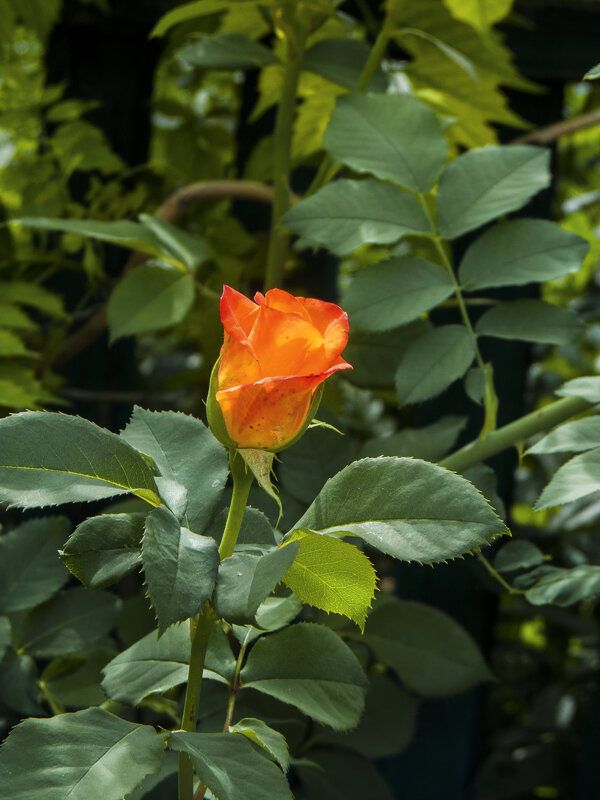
{"x": 238, "y": 314}
{"x": 268, "y": 414}
{"x": 287, "y": 344}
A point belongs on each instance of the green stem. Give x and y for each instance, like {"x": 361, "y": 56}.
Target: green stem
{"x": 55, "y": 706}
{"x": 515, "y": 432}
{"x": 242, "y": 481}
{"x": 447, "y": 264}
{"x": 282, "y": 157}
{"x": 328, "y": 167}
{"x": 496, "y": 575}
{"x": 235, "y": 687}
{"x": 490, "y": 399}
{"x": 201, "y": 628}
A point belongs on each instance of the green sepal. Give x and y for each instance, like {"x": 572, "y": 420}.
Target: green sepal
{"x": 260, "y": 463}
{"x": 214, "y": 415}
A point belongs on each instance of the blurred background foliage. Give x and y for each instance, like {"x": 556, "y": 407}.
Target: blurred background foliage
{"x": 100, "y": 121}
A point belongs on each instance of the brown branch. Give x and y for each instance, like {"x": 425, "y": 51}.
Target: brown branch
{"x": 549, "y": 134}
{"x": 175, "y": 205}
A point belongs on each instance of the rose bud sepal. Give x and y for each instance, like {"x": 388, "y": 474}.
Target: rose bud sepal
{"x": 214, "y": 415}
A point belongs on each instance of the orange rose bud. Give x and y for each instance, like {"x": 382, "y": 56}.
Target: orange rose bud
{"x": 277, "y": 352}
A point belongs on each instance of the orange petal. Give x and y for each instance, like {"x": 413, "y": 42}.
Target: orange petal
{"x": 287, "y": 344}
{"x": 238, "y": 364}
{"x": 238, "y": 314}
{"x": 281, "y": 300}
{"x": 269, "y": 414}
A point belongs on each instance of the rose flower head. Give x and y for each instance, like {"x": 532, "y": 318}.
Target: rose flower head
{"x": 277, "y": 351}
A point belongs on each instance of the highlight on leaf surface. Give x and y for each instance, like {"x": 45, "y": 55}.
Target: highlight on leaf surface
{"x": 49, "y": 458}
{"x": 332, "y": 575}
{"x": 407, "y": 508}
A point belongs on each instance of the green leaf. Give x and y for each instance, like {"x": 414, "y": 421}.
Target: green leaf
{"x": 458, "y": 58}
{"x": 336, "y": 775}
{"x": 394, "y": 292}
{"x": 277, "y": 612}
{"x": 154, "y": 665}
{"x": 332, "y": 575}
{"x": 433, "y": 362}
{"x": 184, "y": 450}
{"x": 34, "y": 295}
{"x": 79, "y": 145}
{"x": 74, "y": 681}
{"x": 531, "y": 321}
{"x": 123, "y": 233}
{"x": 588, "y": 388}
{"x": 104, "y": 549}
{"x": 431, "y": 442}
{"x": 12, "y": 346}
{"x": 267, "y": 738}
{"x": 230, "y": 766}
{"x": 150, "y": 665}
{"x": 4, "y": 635}
{"x": 518, "y": 554}
{"x": 482, "y": 184}
{"x": 49, "y": 458}
{"x": 198, "y": 8}
{"x": 592, "y": 74}
{"x": 521, "y": 251}
{"x": 409, "y": 509}
{"x": 481, "y": 14}
{"x": 225, "y": 51}
{"x": 19, "y": 387}
{"x": 18, "y": 683}
{"x": 388, "y": 724}
{"x": 180, "y": 568}
{"x": 69, "y": 622}
{"x": 174, "y": 495}
{"x": 148, "y": 298}
{"x": 577, "y": 478}
{"x": 346, "y": 214}
{"x": 38, "y": 16}
{"x": 392, "y": 136}
{"x": 342, "y": 61}
{"x": 100, "y": 756}
{"x": 483, "y": 477}
{"x": 188, "y": 249}
{"x": 375, "y": 357}
{"x": 30, "y": 569}
{"x": 13, "y": 317}
{"x": 563, "y": 587}
{"x": 246, "y": 579}
{"x": 575, "y": 437}
{"x": 311, "y": 668}
{"x": 431, "y": 653}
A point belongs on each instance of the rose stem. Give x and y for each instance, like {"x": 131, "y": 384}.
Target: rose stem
{"x": 515, "y": 432}
{"x": 242, "y": 481}
{"x": 201, "y": 626}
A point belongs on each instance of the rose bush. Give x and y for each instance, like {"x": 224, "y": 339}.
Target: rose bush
{"x": 276, "y": 354}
